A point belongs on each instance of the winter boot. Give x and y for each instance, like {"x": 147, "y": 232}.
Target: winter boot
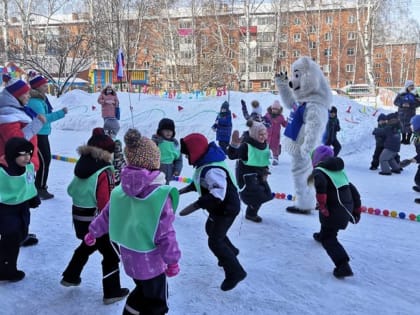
{"x": 416, "y": 188}
{"x": 13, "y": 276}
{"x": 252, "y": 214}
{"x": 112, "y": 287}
{"x": 275, "y": 161}
{"x": 317, "y": 237}
{"x": 293, "y": 209}
{"x": 70, "y": 282}
{"x": 30, "y": 240}
{"x": 373, "y": 168}
{"x": 44, "y": 194}
{"x": 233, "y": 277}
{"x": 343, "y": 270}
{"x": 417, "y": 200}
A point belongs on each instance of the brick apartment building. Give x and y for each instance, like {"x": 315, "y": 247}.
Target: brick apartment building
{"x": 215, "y": 48}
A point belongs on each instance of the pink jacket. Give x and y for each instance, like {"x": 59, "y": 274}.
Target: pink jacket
{"x": 143, "y": 266}
{"x": 108, "y": 102}
{"x": 273, "y": 132}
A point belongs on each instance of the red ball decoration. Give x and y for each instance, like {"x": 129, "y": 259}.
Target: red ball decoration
{"x": 363, "y": 208}
{"x": 385, "y": 212}
{"x": 412, "y": 217}
{"x": 282, "y": 195}
{"x": 370, "y": 210}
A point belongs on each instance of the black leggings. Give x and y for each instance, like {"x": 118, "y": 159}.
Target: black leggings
{"x": 44, "y": 154}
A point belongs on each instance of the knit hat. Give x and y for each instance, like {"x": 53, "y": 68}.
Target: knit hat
{"x": 16, "y": 87}
{"x": 225, "y": 106}
{"x": 333, "y": 109}
{"x": 392, "y": 116}
{"x": 111, "y": 126}
{"x": 195, "y": 145}
{"x": 36, "y": 80}
{"x": 381, "y": 117}
{"x": 276, "y": 105}
{"x": 254, "y": 128}
{"x": 100, "y": 140}
{"x": 166, "y": 123}
{"x": 321, "y": 153}
{"x": 141, "y": 151}
{"x": 415, "y": 122}
{"x": 16, "y": 145}
{"x": 408, "y": 83}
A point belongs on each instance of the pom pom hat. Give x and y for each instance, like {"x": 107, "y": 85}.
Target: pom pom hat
{"x": 254, "y": 128}
{"x": 141, "y": 151}
{"x": 36, "y": 80}
{"x": 320, "y": 154}
{"x": 195, "y": 145}
{"x": 100, "y": 140}
{"x": 111, "y": 126}
{"x": 16, "y": 87}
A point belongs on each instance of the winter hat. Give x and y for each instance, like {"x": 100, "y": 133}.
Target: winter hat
{"x": 415, "y": 122}
{"x": 166, "y": 123}
{"x": 111, "y": 126}
{"x": 321, "y": 153}
{"x": 256, "y": 108}
{"x": 392, "y": 116}
{"x": 333, "y": 109}
{"x": 382, "y": 117}
{"x": 408, "y": 83}
{"x": 36, "y": 80}
{"x": 16, "y": 145}
{"x": 195, "y": 145}
{"x": 254, "y": 128}
{"x": 100, "y": 140}
{"x": 16, "y": 87}
{"x": 225, "y": 106}
{"x": 141, "y": 151}
{"x": 276, "y": 104}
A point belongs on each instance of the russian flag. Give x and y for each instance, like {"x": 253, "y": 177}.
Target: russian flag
{"x": 119, "y": 65}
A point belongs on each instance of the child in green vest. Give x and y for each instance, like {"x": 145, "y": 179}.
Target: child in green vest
{"x": 218, "y": 194}
{"x": 139, "y": 218}
{"x": 90, "y": 189}
{"x": 252, "y": 170}
{"x": 17, "y": 195}
{"x": 338, "y": 203}
{"x": 170, "y": 155}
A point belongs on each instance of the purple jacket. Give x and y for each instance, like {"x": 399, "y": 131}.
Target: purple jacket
{"x": 143, "y": 266}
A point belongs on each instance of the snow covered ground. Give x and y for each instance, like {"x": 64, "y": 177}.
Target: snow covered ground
{"x": 288, "y": 272}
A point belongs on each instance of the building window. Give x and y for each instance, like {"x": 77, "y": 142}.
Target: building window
{"x": 352, "y": 19}
{"x": 231, "y": 40}
{"x": 378, "y": 55}
{"x": 296, "y": 53}
{"x": 387, "y": 69}
{"x": 349, "y": 82}
{"x": 350, "y": 51}
{"x": 283, "y": 38}
{"x": 296, "y": 21}
{"x": 282, "y": 54}
{"x": 185, "y": 24}
{"x": 204, "y": 40}
{"x": 186, "y": 54}
{"x": 328, "y": 36}
{"x": 377, "y": 65}
{"x": 328, "y": 52}
{"x": 312, "y": 45}
{"x": 388, "y": 80}
{"x": 265, "y": 84}
{"x": 263, "y": 68}
{"x": 328, "y": 19}
{"x": 377, "y": 75}
{"x": 231, "y": 54}
{"x": 350, "y": 68}
{"x": 351, "y": 35}
{"x": 265, "y": 37}
{"x": 312, "y": 29}
{"x": 326, "y": 68}
{"x": 242, "y": 67}
{"x": 296, "y": 37}
{"x": 283, "y": 68}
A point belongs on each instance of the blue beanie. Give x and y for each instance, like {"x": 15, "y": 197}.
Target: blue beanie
{"x": 382, "y": 117}
{"x": 321, "y": 153}
{"x": 415, "y": 122}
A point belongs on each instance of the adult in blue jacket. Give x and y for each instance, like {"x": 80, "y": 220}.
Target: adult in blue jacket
{"x": 39, "y": 103}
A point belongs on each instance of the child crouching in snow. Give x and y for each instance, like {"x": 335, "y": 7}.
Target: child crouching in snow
{"x": 338, "y": 203}
{"x": 139, "y": 218}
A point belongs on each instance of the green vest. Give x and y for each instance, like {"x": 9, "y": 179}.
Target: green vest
{"x": 17, "y": 189}
{"x": 197, "y": 174}
{"x": 257, "y": 157}
{"x": 133, "y": 221}
{"x": 83, "y": 190}
{"x": 338, "y": 178}
{"x": 168, "y": 152}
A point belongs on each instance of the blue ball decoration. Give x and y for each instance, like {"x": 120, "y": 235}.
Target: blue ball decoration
{"x": 401, "y": 215}
{"x": 289, "y": 197}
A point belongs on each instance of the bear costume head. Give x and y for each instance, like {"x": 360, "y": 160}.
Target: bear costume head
{"x": 308, "y": 82}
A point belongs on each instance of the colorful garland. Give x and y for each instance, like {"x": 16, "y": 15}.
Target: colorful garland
{"x": 392, "y": 213}
{"x": 64, "y": 158}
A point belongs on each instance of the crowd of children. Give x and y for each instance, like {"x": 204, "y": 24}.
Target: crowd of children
{"x": 123, "y": 205}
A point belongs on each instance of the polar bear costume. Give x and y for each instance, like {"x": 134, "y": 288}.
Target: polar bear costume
{"x": 308, "y": 97}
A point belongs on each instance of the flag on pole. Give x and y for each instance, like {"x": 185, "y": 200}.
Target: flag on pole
{"x": 119, "y": 65}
